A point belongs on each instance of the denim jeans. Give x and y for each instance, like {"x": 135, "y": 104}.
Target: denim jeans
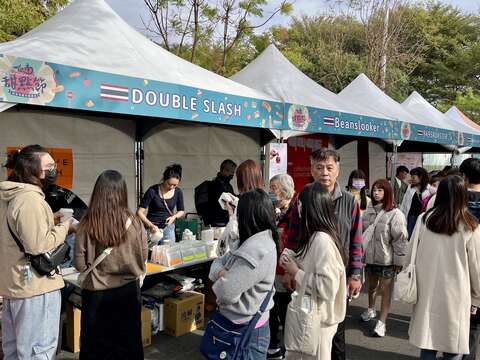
{"x": 259, "y": 342}
{"x": 30, "y": 327}
{"x": 432, "y": 355}
{"x": 169, "y": 232}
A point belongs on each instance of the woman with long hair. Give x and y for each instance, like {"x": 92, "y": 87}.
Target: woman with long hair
{"x": 163, "y": 203}
{"x": 320, "y": 260}
{"x": 244, "y": 277}
{"x": 111, "y": 299}
{"x": 385, "y": 251}
{"x": 419, "y": 190}
{"x": 447, "y": 273}
{"x": 31, "y": 302}
{"x": 249, "y": 177}
{"x": 357, "y": 185}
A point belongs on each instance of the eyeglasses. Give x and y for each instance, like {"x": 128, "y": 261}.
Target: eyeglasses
{"x": 50, "y": 167}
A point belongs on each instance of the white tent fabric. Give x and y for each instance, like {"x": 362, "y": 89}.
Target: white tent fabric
{"x": 97, "y": 143}
{"x": 460, "y": 118}
{"x": 363, "y": 91}
{"x": 201, "y": 152}
{"x": 272, "y": 73}
{"x": 416, "y": 104}
{"x": 89, "y": 34}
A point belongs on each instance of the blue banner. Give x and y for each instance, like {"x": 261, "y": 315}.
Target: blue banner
{"x": 41, "y": 83}
{"x": 36, "y": 82}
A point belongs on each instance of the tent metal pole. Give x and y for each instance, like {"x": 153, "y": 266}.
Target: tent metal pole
{"x": 394, "y": 164}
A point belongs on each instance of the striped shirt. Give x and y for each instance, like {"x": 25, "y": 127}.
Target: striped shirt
{"x": 347, "y": 210}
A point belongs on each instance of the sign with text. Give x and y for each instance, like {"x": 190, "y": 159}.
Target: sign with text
{"x": 42, "y": 83}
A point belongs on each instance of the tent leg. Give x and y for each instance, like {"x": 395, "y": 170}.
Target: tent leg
{"x": 394, "y": 164}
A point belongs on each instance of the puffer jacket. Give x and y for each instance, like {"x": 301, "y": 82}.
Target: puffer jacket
{"x": 389, "y": 243}
{"x": 31, "y": 219}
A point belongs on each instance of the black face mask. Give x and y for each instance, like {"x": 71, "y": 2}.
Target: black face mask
{"x": 229, "y": 177}
{"x": 50, "y": 178}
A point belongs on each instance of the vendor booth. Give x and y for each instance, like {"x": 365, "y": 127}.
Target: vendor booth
{"x": 329, "y": 118}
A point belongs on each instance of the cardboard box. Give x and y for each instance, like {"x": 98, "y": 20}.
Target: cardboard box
{"x": 73, "y": 328}
{"x": 184, "y": 313}
{"x": 146, "y": 327}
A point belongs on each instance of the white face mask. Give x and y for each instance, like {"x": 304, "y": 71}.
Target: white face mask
{"x": 358, "y": 184}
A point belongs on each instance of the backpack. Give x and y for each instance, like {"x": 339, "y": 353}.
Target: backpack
{"x": 201, "y": 195}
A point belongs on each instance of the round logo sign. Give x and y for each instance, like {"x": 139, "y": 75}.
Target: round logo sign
{"x": 298, "y": 117}
{"x": 406, "y": 132}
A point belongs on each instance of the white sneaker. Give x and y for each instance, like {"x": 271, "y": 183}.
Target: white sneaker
{"x": 368, "y": 315}
{"x": 380, "y": 329}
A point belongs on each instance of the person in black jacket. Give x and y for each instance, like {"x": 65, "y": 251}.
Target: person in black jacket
{"x": 217, "y": 216}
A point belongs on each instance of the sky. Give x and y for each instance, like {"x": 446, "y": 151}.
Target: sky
{"x": 133, "y": 10}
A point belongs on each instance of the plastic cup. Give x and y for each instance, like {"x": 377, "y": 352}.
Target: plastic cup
{"x": 67, "y": 213}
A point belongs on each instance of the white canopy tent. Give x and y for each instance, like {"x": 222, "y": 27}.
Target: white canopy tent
{"x": 417, "y": 105}
{"x": 89, "y": 34}
{"x": 271, "y": 72}
{"x": 363, "y": 91}
{"x": 460, "y": 118}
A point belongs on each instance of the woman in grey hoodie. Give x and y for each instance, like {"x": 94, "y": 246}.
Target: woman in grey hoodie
{"x": 244, "y": 277}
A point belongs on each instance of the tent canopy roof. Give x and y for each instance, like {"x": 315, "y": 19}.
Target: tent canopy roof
{"x": 459, "y": 117}
{"x": 272, "y": 73}
{"x": 421, "y": 107}
{"x": 363, "y": 91}
{"x": 89, "y": 34}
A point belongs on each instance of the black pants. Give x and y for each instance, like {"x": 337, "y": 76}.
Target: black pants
{"x": 277, "y": 317}
{"x": 338, "y": 343}
{"x": 111, "y": 327}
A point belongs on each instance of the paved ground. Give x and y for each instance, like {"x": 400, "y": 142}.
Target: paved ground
{"x": 360, "y": 345}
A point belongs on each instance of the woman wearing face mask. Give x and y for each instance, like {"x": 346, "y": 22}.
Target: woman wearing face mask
{"x": 419, "y": 190}
{"x": 31, "y": 302}
{"x": 357, "y": 186}
{"x": 320, "y": 262}
{"x": 164, "y": 203}
{"x": 385, "y": 251}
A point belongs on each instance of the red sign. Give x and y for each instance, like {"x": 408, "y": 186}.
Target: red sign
{"x": 299, "y": 150}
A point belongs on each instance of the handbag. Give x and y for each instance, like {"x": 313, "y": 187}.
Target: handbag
{"x": 370, "y": 232}
{"x": 46, "y": 264}
{"x": 405, "y": 286}
{"x": 303, "y": 322}
{"x": 83, "y": 275}
{"x": 225, "y": 340}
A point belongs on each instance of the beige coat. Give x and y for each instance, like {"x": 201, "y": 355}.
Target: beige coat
{"x": 329, "y": 281}
{"x": 448, "y": 282}
{"x": 32, "y": 222}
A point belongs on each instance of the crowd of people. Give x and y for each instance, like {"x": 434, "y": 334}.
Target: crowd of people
{"x": 288, "y": 263}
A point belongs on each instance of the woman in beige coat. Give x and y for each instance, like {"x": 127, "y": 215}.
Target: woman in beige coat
{"x": 319, "y": 260}
{"x": 448, "y": 273}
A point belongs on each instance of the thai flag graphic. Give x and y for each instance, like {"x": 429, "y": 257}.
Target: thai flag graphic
{"x": 114, "y": 92}
{"x": 329, "y": 121}
{"x": 420, "y": 133}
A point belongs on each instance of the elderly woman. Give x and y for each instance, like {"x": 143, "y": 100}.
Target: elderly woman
{"x": 282, "y": 191}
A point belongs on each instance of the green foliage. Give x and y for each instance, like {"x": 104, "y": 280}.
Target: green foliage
{"x": 20, "y": 16}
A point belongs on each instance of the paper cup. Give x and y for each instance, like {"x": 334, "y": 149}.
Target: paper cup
{"x": 67, "y": 213}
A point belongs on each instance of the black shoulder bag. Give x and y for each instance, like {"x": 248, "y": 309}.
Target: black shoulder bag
{"x": 46, "y": 264}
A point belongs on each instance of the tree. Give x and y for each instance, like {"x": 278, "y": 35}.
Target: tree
{"x": 185, "y": 26}
{"x": 20, "y": 16}
{"x": 452, "y": 59}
